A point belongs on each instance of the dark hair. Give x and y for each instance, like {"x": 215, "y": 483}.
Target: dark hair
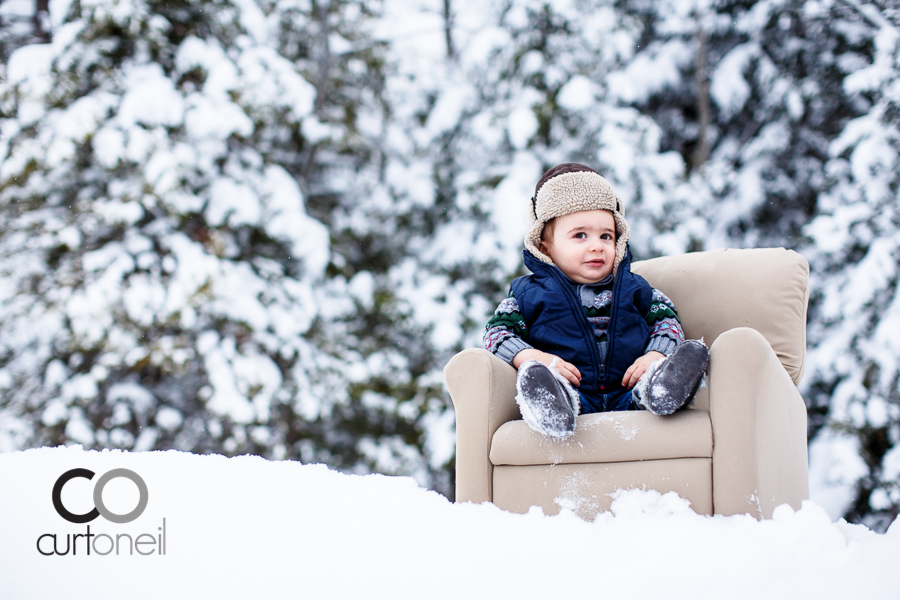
{"x": 559, "y": 170}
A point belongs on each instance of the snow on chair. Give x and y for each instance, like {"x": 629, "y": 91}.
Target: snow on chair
{"x": 739, "y": 447}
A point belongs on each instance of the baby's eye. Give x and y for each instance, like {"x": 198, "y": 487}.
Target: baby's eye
{"x": 580, "y": 235}
{"x": 606, "y": 236}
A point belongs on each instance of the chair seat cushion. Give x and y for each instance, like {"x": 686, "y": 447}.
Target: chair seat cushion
{"x": 607, "y": 438}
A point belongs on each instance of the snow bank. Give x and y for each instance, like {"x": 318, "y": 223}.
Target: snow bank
{"x": 247, "y": 527}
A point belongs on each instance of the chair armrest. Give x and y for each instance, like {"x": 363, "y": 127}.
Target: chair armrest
{"x": 483, "y": 390}
{"x": 759, "y": 428}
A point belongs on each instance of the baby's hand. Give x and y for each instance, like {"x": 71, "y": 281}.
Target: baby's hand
{"x": 637, "y": 370}
{"x": 566, "y": 369}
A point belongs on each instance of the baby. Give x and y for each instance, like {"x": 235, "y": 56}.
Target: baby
{"x": 585, "y": 333}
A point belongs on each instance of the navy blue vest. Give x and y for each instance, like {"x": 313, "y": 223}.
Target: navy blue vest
{"x": 557, "y": 324}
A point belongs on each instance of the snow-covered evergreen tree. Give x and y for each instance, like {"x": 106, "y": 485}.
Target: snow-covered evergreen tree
{"x": 854, "y": 249}
{"x": 22, "y": 22}
{"x": 550, "y": 84}
{"x": 164, "y": 284}
{"x": 159, "y": 268}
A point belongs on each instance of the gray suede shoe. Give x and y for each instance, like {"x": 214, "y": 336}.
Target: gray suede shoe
{"x": 676, "y": 380}
{"x": 547, "y": 403}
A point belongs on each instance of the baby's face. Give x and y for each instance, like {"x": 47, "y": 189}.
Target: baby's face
{"x": 583, "y": 245}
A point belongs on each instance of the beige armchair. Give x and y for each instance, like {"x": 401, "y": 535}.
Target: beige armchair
{"x": 740, "y": 446}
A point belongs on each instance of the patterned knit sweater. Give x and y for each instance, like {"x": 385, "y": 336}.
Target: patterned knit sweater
{"x": 506, "y": 334}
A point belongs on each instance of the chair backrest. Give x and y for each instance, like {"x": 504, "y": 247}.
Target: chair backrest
{"x": 766, "y": 289}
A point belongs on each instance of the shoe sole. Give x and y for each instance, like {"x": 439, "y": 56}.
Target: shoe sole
{"x": 687, "y": 364}
{"x": 544, "y": 420}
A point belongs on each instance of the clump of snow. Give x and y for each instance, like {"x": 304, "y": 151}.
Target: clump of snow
{"x": 650, "y": 71}
{"x": 577, "y": 496}
{"x": 728, "y": 87}
{"x": 577, "y": 94}
{"x": 522, "y": 126}
{"x": 245, "y": 526}
{"x": 626, "y": 433}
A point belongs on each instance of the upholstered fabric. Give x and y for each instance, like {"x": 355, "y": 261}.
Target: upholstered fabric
{"x": 608, "y": 437}
{"x": 750, "y": 306}
{"x": 589, "y": 488}
{"x": 485, "y": 387}
{"x": 760, "y": 456}
{"x": 765, "y": 289}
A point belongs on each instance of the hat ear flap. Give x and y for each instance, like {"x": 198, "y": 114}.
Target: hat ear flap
{"x": 623, "y": 232}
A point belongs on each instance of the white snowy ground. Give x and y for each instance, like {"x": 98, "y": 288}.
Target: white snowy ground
{"x": 250, "y": 528}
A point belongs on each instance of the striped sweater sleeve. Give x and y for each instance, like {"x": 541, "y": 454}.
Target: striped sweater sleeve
{"x": 665, "y": 327}
{"x": 506, "y": 334}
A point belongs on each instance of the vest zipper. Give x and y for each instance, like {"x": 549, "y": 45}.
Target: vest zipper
{"x": 575, "y": 304}
{"x": 612, "y": 322}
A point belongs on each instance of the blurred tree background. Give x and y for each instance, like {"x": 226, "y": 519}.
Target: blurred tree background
{"x": 264, "y": 225}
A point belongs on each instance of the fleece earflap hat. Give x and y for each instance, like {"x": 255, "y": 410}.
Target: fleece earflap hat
{"x": 569, "y": 188}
